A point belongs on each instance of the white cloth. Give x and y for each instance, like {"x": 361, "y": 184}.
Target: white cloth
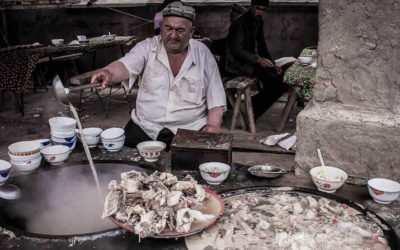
{"x": 273, "y": 139}
{"x": 289, "y": 143}
{"x": 173, "y": 102}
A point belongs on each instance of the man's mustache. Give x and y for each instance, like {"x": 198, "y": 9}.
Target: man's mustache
{"x": 174, "y": 40}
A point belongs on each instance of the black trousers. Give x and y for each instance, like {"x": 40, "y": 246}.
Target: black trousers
{"x": 273, "y": 88}
{"x": 135, "y": 135}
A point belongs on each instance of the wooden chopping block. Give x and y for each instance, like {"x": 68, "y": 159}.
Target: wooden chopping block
{"x": 191, "y": 148}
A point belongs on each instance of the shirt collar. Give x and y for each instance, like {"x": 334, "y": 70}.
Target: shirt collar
{"x": 163, "y": 57}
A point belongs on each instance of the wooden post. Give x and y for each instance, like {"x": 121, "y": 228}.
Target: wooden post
{"x": 249, "y": 109}
{"x": 231, "y": 98}
{"x": 236, "y": 107}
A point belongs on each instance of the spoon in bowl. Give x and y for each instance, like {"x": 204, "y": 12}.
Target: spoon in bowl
{"x": 322, "y": 163}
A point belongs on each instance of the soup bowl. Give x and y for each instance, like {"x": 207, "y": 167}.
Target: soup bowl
{"x": 328, "y": 179}
{"x": 214, "y": 173}
{"x": 56, "y": 155}
{"x": 151, "y": 150}
{"x": 383, "y": 190}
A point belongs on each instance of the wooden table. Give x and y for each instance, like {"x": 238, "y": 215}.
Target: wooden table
{"x": 17, "y": 63}
{"x": 300, "y": 79}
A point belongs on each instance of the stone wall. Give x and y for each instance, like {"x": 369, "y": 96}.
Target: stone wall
{"x": 354, "y": 116}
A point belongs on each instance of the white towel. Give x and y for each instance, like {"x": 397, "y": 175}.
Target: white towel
{"x": 273, "y": 139}
{"x": 288, "y": 143}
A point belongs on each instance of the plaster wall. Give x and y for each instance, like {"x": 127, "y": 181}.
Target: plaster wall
{"x": 354, "y": 116}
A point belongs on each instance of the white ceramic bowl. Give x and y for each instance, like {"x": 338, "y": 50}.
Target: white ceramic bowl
{"x": 24, "y": 157}
{"x": 27, "y": 167}
{"x": 44, "y": 143}
{"x": 71, "y": 144}
{"x": 112, "y": 133}
{"x": 5, "y": 169}
{"x": 81, "y": 38}
{"x": 63, "y": 139}
{"x": 92, "y": 136}
{"x": 91, "y": 141}
{"x": 92, "y": 132}
{"x": 382, "y": 190}
{"x": 56, "y": 155}
{"x": 328, "y": 186}
{"x": 62, "y": 126}
{"x": 59, "y": 134}
{"x": 305, "y": 59}
{"x": 24, "y": 148}
{"x": 57, "y": 42}
{"x": 151, "y": 150}
{"x": 214, "y": 172}
{"x": 114, "y": 145}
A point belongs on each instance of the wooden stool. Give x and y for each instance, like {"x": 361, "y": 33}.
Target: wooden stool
{"x": 241, "y": 85}
{"x": 291, "y": 101}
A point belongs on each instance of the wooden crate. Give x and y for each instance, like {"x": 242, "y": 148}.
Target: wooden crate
{"x": 191, "y": 148}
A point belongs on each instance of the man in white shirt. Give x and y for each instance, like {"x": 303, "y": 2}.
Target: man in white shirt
{"x": 180, "y": 85}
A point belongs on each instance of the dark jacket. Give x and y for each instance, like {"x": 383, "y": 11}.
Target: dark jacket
{"x": 241, "y": 56}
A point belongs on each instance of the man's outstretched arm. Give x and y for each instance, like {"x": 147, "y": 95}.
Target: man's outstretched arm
{"x": 214, "y": 120}
{"x": 112, "y": 73}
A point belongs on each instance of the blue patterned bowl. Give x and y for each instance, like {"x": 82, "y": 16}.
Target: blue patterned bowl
{"x": 5, "y": 168}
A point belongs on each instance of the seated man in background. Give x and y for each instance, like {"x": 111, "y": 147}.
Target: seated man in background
{"x": 180, "y": 85}
{"x": 247, "y": 54}
{"x": 218, "y": 47}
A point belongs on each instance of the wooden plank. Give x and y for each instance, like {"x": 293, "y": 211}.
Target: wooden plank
{"x": 240, "y": 82}
{"x": 251, "y": 143}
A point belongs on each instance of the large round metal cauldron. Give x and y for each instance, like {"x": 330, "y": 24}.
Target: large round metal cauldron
{"x": 61, "y": 202}
{"x": 60, "y": 208}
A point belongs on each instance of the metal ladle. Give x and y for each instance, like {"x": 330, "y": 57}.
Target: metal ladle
{"x": 62, "y": 93}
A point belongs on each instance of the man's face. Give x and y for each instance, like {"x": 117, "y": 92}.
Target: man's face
{"x": 258, "y": 11}
{"x": 176, "y": 33}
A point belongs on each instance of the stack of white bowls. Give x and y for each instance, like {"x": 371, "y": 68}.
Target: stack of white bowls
{"x": 92, "y": 136}
{"x": 113, "y": 139}
{"x": 62, "y": 131}
{"x": 25, "y": 156}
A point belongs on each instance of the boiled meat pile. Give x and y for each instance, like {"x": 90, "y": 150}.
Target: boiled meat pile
{"x": 289, "y": 221}
{"x": 152, "y": 204}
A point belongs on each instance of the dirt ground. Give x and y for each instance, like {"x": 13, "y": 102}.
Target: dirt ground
{"x": 41, "y": 106}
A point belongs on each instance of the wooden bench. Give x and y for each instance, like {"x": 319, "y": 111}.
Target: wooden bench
{"x": 239, "y": 86}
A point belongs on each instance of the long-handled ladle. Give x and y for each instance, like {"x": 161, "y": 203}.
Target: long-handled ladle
{"x": 62, "y": 93}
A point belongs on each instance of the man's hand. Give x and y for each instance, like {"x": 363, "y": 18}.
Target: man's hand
{"x": 212, "y": 129}
{"x": 112, "y": 73}
{"x": 104, "y": 76}
{"x": 265, "y": 63}
{"x": 278, "y": 69}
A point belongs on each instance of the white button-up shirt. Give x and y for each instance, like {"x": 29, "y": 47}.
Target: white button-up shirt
{"x": 165, "y": 101}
